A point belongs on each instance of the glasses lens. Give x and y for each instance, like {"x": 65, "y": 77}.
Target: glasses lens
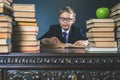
{"x": 66, "y": 19}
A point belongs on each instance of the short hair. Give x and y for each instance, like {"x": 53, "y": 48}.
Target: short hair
{"x": 67, "y": 9}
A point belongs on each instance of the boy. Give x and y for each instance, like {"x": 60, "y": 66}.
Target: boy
{"x": 65, "y": 32}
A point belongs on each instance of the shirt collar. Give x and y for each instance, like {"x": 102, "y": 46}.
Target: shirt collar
{"x": 66, "y": 31}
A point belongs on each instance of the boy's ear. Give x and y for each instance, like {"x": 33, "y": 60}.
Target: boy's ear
{"x": 74, "y": 20}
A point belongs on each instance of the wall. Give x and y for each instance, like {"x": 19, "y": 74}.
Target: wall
{"x": 47, "y": 10}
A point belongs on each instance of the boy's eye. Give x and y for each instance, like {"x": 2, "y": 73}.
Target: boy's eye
{"x": 66, "y": 19}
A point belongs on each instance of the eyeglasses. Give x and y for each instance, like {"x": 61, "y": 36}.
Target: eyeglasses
{"x": 65, "y": 19}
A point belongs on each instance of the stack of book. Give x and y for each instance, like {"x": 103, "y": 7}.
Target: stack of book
{"x": 5, "y": 26}
{"x": 25, "y": 29}
{"x": 101, "y": 35}
{"x": 115, "y": 14}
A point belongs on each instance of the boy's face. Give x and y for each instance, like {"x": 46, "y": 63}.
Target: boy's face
{"x": 66, "y": 20}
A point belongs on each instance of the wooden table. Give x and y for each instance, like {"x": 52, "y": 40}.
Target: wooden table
{"x": 60, "y": 64}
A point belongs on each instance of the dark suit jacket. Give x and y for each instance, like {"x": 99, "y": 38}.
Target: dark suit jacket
{"x": 75, "y": 34}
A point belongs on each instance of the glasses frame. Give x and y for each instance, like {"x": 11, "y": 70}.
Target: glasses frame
{"x": 65, "y": 19}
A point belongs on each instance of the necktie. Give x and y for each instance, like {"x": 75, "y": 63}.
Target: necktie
{"x": 64, "y": 37}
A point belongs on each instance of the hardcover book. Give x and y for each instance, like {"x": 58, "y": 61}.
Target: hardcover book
{"x": 26, "y": 23}
{"x": 117, "y": 18}
{"x": 94, "y": 49}
{"x": 24, "y": 14}
{"x": 25, "y": 19}
{"x": 26, "y": 48}
{"x": 101, "y": 39}
{"x": 99, "y": 29}
{"x": 5, "y": 35}
{"x": 104, "y": 44}
{"x": 99, "y": 20}
{"x": 26, "y": 28}
{"x": 27, "y": 43}
{"x": 6, "y": 18}
{"x": 5, "y": 24}
{"x": 117, "y": 12}
{"x": 100, "y": 25}
{"x": 5, "y": 29}
{"x": 8, "y": 2}
{"x": 26, "y": 32}
{"x": 118, "y": 28}
{"x": 6, "y": 41}
{"x": 19, "y": 37}
{"x": 23, "y": 7}
{"x": 117, "y": 23}
{"x": 100, "y": 35}
{"x": 116, "y": 7}
{"x": 5, "y": 5}
{"x": 4, "y": 11}
{"x": 5, "y": 48}
{"x": 118, "y": 34}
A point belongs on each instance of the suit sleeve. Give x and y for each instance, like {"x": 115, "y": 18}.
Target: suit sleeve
{"x": 48, "y": 34}
{"x": 83, "y": 35}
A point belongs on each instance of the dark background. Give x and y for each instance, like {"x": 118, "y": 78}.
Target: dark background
{"x": 47, "y": 11}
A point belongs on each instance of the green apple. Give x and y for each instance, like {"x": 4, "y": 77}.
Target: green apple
{"x": 102, "y": 12}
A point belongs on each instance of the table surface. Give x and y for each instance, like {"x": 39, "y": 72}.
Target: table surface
{"x": 71, "y": 50}
{"x": 62, "y": 51}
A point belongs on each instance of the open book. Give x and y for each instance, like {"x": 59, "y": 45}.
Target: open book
{"x": 61, "y": 45}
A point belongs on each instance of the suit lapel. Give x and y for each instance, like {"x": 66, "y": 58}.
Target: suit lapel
{"x": 59, "y": 34}
{"x": 71, "y": 35}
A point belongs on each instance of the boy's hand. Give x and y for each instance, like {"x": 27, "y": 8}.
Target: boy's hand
{"x": 81, "y": 43}
{"x": 53, "y": 40}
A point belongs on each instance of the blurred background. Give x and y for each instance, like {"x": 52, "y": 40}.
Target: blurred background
{"x": 47, "y": 11}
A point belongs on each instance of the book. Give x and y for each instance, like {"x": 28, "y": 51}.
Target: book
{"x": 5, "y": 35}
{"x": 5, "y": 41}
{"x": 26, "y": 48}
{"x": 8, "y": 2}
{"x": 19, "y": 37}
{"x": 117, "y": 28}
{"x": 5, "y": 11}
{"x": 26, "y": 51}
{"x": 101, "y": 39}
{"x": 118, "y": 34}
{"x": 117, "y": 23}
{"x": 24, "y": 14}
{"x": 5, "y": 5}
{"x": 99, "y": 20}
{"x": 26, "y": 28}
{"x": 6, "y": 18}
{"x": 5, "y": 48}
{"x": 94, "y": 49}
{"x": 60, "y": 45}
{"x": 24, "y": 19}
{"x": 26, "y": 32}
{"x": 117, "y": 12}
{"x": 108, "y": 44}
{"x": 30, "y": 51}
{"x": 118, "y": 42}
{"x": 103, "y": 29}
{"x": 100, "y": 34}
{"x": 26, "y": 23}
{"x": 100, "y": 25}
{"x": 117, "y": 18}
{"x": 115, "y": 7}
{"x": 26, "y": 43}
{"x": 5, "y": 29}
{"x": 23, "y": 7}
{"x": 5, "y": 24}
